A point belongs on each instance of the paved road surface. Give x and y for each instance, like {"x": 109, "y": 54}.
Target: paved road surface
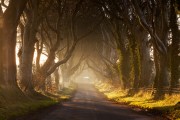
{"x": 88, "y": 104}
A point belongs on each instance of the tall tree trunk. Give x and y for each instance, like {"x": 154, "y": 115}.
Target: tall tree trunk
{"x": 135, "y": 64}
{"x": 27, "y": 57}
{"x": 1, "y": 45}
{"x": 161, "y": 78}
{"x": 163, "y": 75}
{"x": 29, "y": 40}
{"x": 146, "y": 63}
{"x": 159, "y": 40}
{"x": 9, "y": 59}
{"x": 57, "y": 77}
{"x": 163, "y": 58}
{"x": 124, "y": 68}
{"x": 156, "y": 79}
{"x": 9, "y": 22}
{"x": 26, "y": 68}
{"x": 175, "y": 59}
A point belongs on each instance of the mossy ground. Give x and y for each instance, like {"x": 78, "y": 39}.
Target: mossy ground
{"x": 18, "y": 107}
{"x": 143, "y": 99}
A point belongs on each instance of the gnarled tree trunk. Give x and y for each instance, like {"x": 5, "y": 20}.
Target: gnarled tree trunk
{"x": 175, "y": 59}
{"x": 9, "y": 22}
{"x": 27, "y": 59}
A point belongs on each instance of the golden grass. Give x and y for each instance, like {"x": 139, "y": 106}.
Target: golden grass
{"x": 142, "y": 99}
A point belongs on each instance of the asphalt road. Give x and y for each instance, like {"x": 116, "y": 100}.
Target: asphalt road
{"x": 89, "y": 104}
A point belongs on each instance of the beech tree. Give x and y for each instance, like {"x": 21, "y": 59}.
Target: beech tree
{"x": 50, "y": 65}
{"x": 133, "y": 43}
{"x": 142, "y": 31}
{"x": 10, "y": 16}
{"x": 175, "y": 58}
{"x": 159, "y": 40}
{"x": 34, "y": 14}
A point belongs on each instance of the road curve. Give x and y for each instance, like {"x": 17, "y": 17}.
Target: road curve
{"x": 88, "y": 104}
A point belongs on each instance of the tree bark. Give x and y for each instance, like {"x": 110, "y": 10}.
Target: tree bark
{"x": 27, "y": 55}
{"x": 135, "y": 64}
{"x": 175, "y": 59}
{"x": 146, "y": 78}
{"x": 57, "y": 78}
{"x": 124, "y": 68}
{"x": 29, "y": 40}
{"x": 159, "y": 42}
{"x": 1, "y": 44}
{"x": 8, "y": 33}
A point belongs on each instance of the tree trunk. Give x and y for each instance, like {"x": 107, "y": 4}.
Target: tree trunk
{"x": 175, "y": 59}
{"x": 156, "y": 79}
{"x": 146, "y": 64}
{"x": 26, "y": 68}
{"x": 27, "y": 58}
{"x": 57, "y": 77}
{"x": 29, "y": 40}
{"x": 163, "y": 58}
{"x": 9, "y": 59}
{"x": 9, "y": 22}
{"x": 47, "y": 86}
{"x": 1, "y": 52}
{"x": 124, "y": 68}
{"x": 163, "y": 78}
{"x": 135, "y": 64}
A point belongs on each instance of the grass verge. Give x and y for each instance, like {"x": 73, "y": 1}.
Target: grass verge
{"x": 143, "y": 99}
{"x": 64, "y": 94}
{"x": 13, "y": 108}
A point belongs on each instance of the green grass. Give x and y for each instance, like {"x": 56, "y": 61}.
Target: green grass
{"x": 143, "y": 99}
{"x": 16, "y": 107}
{"x": 20, "y": 108}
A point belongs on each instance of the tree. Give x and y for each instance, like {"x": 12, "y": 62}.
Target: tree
{"x": 159, "y": 40}
{"x": 68, "y": 15}
{"x": 35, "y": 13}
{"x": 175, "y": 59}
{"x": 8, "y": 30}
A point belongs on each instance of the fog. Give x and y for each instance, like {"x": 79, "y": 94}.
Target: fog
{"x": 87, "y": 77}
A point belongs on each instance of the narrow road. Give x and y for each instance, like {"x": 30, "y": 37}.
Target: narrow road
{"x": 88, "y": 104}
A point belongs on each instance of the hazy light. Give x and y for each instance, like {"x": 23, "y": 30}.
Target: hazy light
{"x": 17, "y": 49}
{"x": 42, "y": 59}
{"x": 86, "y": 77}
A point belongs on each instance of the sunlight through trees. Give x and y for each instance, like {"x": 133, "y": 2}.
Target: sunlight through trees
{"x": 46, "y": 45}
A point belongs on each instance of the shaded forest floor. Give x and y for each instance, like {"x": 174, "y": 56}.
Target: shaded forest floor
{"x": 143, "y": 101}
{"x": 11, "y": 109}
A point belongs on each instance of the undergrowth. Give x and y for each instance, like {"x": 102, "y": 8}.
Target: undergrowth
{"x": 143, "y": 99}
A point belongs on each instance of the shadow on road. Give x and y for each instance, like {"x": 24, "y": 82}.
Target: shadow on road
{"x": 89, "y": 104}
